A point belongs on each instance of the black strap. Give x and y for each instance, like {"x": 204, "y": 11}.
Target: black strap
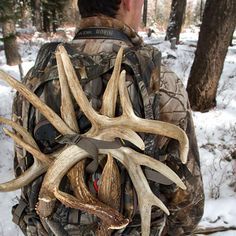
{"x": 132, "y": 59}
{"x": 102, "y": 33}
{"x": 56, "y": 227}
{"x": 18, "y": 211}
{"x": 90, "y": 145}
{"x": 157, "y": 177}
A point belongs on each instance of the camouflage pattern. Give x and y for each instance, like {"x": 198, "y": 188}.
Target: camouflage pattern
{"x": 167, "y": 98}
{"x": 186, "y": 207}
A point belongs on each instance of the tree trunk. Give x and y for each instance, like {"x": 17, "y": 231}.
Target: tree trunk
{"x": 145, "y": 9}
{"x": 37, "y": 14}
{"x": 46, "y": 21}
{"x": 231, "y": 40}
{"x": 70, "y": 13}
{"x": 10, "y": 46}
{"x": 54, "y": 21}
{"x": 178, "y": 8}
{"x": 218, "y": 24}
{"x": 25, "y": 15}
{"x": 201, "y": 10}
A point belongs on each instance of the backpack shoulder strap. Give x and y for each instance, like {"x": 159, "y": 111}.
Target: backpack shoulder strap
{"x": 145, "y": 63}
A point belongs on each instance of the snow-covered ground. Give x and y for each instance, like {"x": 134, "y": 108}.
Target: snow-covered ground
{"x": 216, "y": 130}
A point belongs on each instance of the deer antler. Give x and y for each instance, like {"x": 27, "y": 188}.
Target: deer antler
{"x": 101, "y": 128}
{"x": 35, "y": 170}
{"x": 42, "y": 162}
{"x": 67, "y": 112}
{"x": 128, "y": 121}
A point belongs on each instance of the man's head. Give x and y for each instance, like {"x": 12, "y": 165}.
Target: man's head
{"x": 128, "y": 11}
{"x": 89, "y": 8}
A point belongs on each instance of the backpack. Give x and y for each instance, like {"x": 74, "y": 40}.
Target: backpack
{"x": 42, "y": 79}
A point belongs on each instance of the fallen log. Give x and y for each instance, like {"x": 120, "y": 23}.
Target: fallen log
{"x": 211, "y": 230}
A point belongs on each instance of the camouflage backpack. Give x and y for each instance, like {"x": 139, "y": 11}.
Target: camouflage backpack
{"x": 42, "y": 79}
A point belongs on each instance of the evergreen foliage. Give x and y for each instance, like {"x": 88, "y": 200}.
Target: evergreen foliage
{"x": 50, "y": 12}
{"x": 7, "y": 10}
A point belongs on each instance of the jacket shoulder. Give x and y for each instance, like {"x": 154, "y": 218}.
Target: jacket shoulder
{"x": 173, "y": 98}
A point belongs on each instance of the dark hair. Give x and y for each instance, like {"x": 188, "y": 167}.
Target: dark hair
{"x": 89, "y": 8}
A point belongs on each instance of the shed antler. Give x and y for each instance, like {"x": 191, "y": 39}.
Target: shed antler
{"x": 41, "y": 161}
{"x": 104, "y": 127}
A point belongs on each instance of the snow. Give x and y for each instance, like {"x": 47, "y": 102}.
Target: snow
{"x": 216, "y": 129}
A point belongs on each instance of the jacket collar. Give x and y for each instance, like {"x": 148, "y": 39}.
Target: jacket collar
{"x": 109, "y": 22}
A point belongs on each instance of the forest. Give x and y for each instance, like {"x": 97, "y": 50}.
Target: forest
{"x": 197, "y": 39}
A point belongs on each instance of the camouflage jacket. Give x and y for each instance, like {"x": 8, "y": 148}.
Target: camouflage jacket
{"x": 186, "y": 207}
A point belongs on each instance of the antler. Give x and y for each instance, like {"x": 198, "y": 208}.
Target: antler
{"x": 35, "y": 170}
{"x": 103, "y": 128}
{"x": 42, "y": 162}
{"x": 128, "y": 120}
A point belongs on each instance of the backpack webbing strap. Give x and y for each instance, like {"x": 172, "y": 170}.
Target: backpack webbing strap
{"x": 90, "y": 145}
{"x": 18, "y": 211}
{"x": 56, "y": 227}
{"x": 156, "y": 177}
{"x": 143, "y": 79}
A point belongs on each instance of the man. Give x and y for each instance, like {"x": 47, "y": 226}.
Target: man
{"x": 107, "y": 25}
{"x": 186, "y": 207}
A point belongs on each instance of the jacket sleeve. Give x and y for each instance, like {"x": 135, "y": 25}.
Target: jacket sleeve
{"x": 185, "y": 206}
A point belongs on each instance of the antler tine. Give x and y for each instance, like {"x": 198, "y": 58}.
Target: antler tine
{"x": 145, "y": 208}
{"x": 124, "y": 97}
{"x": 53, "y": 118}
{"x": 146, "y": 199}
{"x": 109, "y": 190}
{"x": 21, "y": 130}
{"x": 24, "y": 179}
{"x": 144, "y": 160}
{"x": 109, "y": 103}
{"x": 45, "y": 159}
{"x": 126, "y": 134}
{"x": 28, "y": 176}
{"x": 76, "y": 88}
{"x": 150, "y": 126}
{"x": 165, "y": 129}
{"x": 67, "y": 108}
{"x": 111, "y": 92}
{"x": 30, "y": 145}
{"x": 131, "y": 159}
